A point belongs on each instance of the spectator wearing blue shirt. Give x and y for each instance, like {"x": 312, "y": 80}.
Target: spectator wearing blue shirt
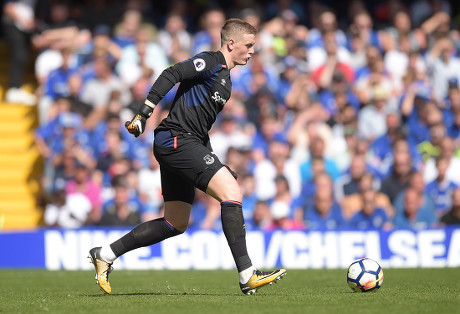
{"x": 112, "y": 123}
{"x": 261, "y": 218}
{"x": 267, "y": 132}
{"x": 372, "y": 55}
{"x": 416, "y": 182}
{"x": 363, "y": 26}
{"x": 209, "y": 37}
{"x": 416, "y": 109}
{"x": 101, "y": 44}
{"x": 290, "y": 71}
{"x": 454, "y": 129}
{"x": 324, "y": 214}
{"x": 317, "y": 147}
{"x": 382, "y": 147}
{"x": 116, "y": 150}
{"x": 258, "y": 76}
{"x": 320, "y": 180}
{"x": 56, "y": 85}
{"x": 125, "y": 31}
{"x": 64, "y": 131}
{"x": 451, "y": 103}
{"x": 335, "y": 98}
{"x": 327, "y": 21}
{"x": 370, "y": 216}
{"x": 205, "y": 213}
{"x": 441, "y": 189}
{"x": 248, "y": 187}
{"x": 414, "y": 215}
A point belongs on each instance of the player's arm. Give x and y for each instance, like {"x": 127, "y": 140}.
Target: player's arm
{"x": 196, "y": 67}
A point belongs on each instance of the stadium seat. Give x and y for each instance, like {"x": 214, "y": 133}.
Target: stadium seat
{"x": 20, "y": 168}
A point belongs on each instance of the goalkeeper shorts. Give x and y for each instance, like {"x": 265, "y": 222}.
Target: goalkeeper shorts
{"x": 185, "y": 164}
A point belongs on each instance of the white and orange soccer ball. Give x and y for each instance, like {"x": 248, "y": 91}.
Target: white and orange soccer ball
{"x": 364, "y": 275}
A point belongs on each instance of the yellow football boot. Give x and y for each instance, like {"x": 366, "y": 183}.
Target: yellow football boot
{"x": 103, "y": 269}
{"x": 260, "y": 279}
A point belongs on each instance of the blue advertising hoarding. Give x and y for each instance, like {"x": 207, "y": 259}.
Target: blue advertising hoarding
{"x": 55, "y": 249}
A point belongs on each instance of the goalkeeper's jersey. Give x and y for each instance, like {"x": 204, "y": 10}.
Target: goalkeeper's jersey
{"x": 205, "y": 87}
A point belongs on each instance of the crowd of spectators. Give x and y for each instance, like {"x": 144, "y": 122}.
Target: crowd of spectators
{"x": 343, "y": 118}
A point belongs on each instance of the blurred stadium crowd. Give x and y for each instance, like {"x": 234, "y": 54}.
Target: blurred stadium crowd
{"x": 345, "y": 117}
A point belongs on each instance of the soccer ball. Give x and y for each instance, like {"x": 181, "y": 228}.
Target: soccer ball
{"x": 364, "y": 275}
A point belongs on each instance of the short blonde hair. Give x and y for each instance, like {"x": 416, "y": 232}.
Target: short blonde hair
{"x": 235, "y": 27}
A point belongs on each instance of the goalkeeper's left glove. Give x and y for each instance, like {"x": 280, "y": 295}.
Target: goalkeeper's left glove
{"x": 137, "y": 125}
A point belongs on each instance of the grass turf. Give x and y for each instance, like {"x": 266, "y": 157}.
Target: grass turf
{"x": 301, "y": 291}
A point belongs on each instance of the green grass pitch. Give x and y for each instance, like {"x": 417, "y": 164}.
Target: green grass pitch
{"x": 301, "y": 291}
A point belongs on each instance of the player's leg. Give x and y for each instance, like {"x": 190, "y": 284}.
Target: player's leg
{"x": 173, "y": 223}
{"x": 178, "y": 196}
{"x": 225, "y": 189}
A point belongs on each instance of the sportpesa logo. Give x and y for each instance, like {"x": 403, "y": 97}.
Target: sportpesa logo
{"x": 200, "y": 64}
{"x": 218, "y": 99}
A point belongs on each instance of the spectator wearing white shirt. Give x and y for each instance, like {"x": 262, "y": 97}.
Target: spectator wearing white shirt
{"x": 174, "y": 36}
{"x": 228, "y": 135}
{"x": 372, "y": 118}
{"x": 277, "y": 163}
{"x": 448, "y": 152}
{"x": 149, "y": 185}
{"x": 143, "y": 53}
{"x": 97, "y": 91}
{"x": 443, "y": 67}
{"x": 67, "y": 211}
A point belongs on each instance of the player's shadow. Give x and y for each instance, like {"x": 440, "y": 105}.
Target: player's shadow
{"x": 159, "y": 294}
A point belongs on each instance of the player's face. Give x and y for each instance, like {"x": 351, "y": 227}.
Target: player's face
{"x": 243, "y": 49}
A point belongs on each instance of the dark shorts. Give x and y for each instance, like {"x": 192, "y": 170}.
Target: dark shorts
{"x": 185, "y": 164}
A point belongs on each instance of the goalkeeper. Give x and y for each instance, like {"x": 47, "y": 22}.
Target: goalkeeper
{"x": 183, "y": 150}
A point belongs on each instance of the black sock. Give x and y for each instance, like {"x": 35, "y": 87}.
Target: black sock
{"x": 235, "y": 232}
{"x": 145, "y": 234}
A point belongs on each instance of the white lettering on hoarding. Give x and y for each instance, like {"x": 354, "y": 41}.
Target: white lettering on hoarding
{"x": 176, "y": 252}
{"x": 401, "y": 243}
{"x": 323, "y": 250}
{"x": 431, "y": 248}
{"x": 372, "y": 245}
{"x": 256, "y": 246}
{"x": 137, "y": 259}
{"x": 274, "y": 248}
{"x": 61, "y": 250}
{"x": 453, "y": 256}
{"x": 351, "y": 247}
{"x": 295, "y": 249}
{"x": 205, "y": 254}
{"x": 69, "y": 249}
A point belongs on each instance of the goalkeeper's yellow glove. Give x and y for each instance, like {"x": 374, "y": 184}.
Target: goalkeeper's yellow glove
{"x": 137, "y": 125}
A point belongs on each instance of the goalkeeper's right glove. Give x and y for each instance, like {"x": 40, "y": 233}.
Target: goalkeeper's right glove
{"x": 137, "y": 125}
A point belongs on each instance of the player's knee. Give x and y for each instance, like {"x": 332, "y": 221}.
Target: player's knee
{"x": 232, "y": 193}
{"x": 181, "y": 228}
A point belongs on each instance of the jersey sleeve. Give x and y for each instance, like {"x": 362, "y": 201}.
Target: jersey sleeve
{"x": 200, "y": 66}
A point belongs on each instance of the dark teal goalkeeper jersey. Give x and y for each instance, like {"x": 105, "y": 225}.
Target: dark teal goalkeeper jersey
{"x": 205, "y": 87}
